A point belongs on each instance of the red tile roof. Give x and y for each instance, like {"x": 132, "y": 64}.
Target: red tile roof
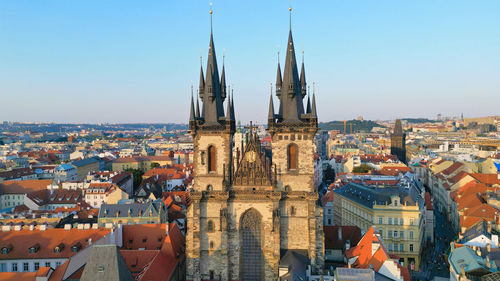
{"x": 23, "y": 186}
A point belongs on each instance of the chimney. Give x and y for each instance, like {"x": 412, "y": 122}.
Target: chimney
{"x": 67, "y": 226}
{"x": 43, "y": 227}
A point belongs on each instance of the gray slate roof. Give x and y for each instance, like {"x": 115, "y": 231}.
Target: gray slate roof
{"x": 130, "y": 210}
{"x": 368, "y": 195}
{"x": 106, "y": 263}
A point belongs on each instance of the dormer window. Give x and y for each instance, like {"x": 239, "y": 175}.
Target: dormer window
{"x": 6, "y": 249}
{"x": 33, "y": 249}
{"x": 75, "y": 248}
{"x": 59, "y": 248}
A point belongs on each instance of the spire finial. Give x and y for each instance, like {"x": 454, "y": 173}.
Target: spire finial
{"x": 314, "y": 88}
{"x": 302, "y": 56}
{"x": 211, "y": 12}
{"x": 278, "y": 54}
{"x": 201, "y": 61}
{"x": 290, "y": 10}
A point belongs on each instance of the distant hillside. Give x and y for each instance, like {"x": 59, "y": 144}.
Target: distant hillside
{"x": 419, "y": 120}
{"x": 365, "y": 125}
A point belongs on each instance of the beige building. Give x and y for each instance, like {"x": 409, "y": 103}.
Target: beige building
{"x": 249, "y": 210}
{"x": 392, "y": 211}
{"x": 141, "y": 162}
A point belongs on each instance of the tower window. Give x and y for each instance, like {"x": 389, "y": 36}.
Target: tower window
{"x": 210, "y": 226}
{"x": 211, "y": 159}
{"x": 292, "y": 156}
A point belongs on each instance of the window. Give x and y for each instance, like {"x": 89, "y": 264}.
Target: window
{"x": 380, "y": 220}
{"x": 389, "y": 233}
{"x": 411, "y": 247}
{"x": 329, "y": 221}
{"x": 58, "y": 263}
{"x": 401, "y": 234}
{"x": 389, "y": 246}
{"x": 209, "y": 187}
{"x": 211, "y": 244}
{"x": 211, "y": 159}
{"x": 37, "y": 266}
{"x": 395, "y": 234}
{"x": 411, "y": 234}
{"x": 3, "y": 267}
{"x": 412, "y": 221}
{"x": 390, "y": 221}
{"x": 396, "y": 203}
{"x": 292, "y": 156}
{"x": 26, "y": 266}
{"x": 329, "y": 211}
{"x": 401, "y": 247}
{"x": 210, "y": 226}
{"x": 401, "y": 221}
{"x": 212, "y": 275}
{"x": 292, "y": 211}
{"x": 14, "y": 267}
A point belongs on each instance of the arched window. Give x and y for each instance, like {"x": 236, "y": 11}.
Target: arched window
{"x": 210, "y": 226}
{"x": 209, "y": 187}
{"x": 292, "y": 153}
{"x": 211, "y": 159}
{"x": 251, "y": 255}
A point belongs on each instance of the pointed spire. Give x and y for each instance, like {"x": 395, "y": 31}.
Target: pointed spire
{"x": 233, "y": 117}
{"x": 398, "y": 127}
{"x": 292, "y": 106}
{"x": 202, "y": 79}
{"x": 308, "y": 110}
{"x": 228, "y": 110}
{"x": 213, "y": 107}
{"x": 198, "y": 106}
{"x": 279, "y": 80}
{"x": 191, "y": 113}
{"x": 303, "y": 77}
{"x": 223, "y": 79}
{"x": 313, "y": 109}
{"x": 270, "y": 116}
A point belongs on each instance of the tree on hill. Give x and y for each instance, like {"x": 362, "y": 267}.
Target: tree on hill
{"x": 363, "y": 168}
{"x": 137, "y": 174}
{"x": 328, "y": 174}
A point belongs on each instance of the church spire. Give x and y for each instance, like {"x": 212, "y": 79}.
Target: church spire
{"x": 198, "y": 106}
{"x": 308, "y": 110}
{"x": 213, "y": 108}
{"x": 202, "y": 79}
{"x": 223, "y": 79}
{"x": 270, "y": 116}
{"x": 233, "y": 117}
{"x": 291, "y": 104}
{"x": 303, "y": 83}
{"x": 228, "y": 110}
{"x": 191, "y": 111}
{"x": 313, "y": 109}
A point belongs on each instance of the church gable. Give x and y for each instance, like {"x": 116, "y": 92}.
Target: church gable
{"x": 254, "y": 168}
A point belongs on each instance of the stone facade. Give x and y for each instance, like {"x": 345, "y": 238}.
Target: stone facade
{"x": 249, "y": 207}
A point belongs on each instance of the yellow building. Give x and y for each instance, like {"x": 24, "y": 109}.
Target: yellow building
{"x": 141, "y": 162}
{"x": 391, "y": 210}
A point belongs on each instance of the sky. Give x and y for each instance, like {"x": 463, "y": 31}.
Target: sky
{"x": 120, "y": 61}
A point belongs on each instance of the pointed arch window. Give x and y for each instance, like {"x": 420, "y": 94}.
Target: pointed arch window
{"x": 210, "y": 226}
{"x": 211, "y": 159}
{"x": 292, "y": 156}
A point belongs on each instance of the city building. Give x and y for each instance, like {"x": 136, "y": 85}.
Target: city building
{"x": 136, "y": 213}
{"x": 395, "y": 211}
{"x": 249, "y": 211}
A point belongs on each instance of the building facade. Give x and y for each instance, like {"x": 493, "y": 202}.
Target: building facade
{"x": 395, "y": 214}
{"x": 398, "y": 142}
{"x": 248, "y": 211}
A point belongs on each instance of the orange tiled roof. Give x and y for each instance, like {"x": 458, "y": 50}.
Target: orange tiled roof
{"x": 489, "y": 179}
{"x": 147, "y": 236}
{"x": 23, "y": 186}
{"x": 20, "y": 241}
{"x": 18, "y": 276}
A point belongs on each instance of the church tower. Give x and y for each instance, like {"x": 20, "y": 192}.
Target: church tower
{"x": 293, "y": 130}
{"x": 398, "y": 142}
{"x": 249, "y": 211}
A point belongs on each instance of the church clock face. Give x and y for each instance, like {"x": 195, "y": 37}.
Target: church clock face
{"x": 250, "y": 156}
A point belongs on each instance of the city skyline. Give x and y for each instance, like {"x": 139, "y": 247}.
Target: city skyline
{"x": 120, "y": 63}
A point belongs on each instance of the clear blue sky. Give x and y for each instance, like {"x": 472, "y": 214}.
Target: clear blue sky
{"x": 134, "y": 61}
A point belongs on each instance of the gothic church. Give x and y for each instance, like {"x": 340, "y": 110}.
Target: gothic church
{"x": 250, "y": 208}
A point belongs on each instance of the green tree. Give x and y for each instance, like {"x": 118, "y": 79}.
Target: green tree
{"x": 137, "y": 174}
{"x": 328, "y": 174}
{"x": 363, "y": 168}
{"x": 155, "y": 165}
